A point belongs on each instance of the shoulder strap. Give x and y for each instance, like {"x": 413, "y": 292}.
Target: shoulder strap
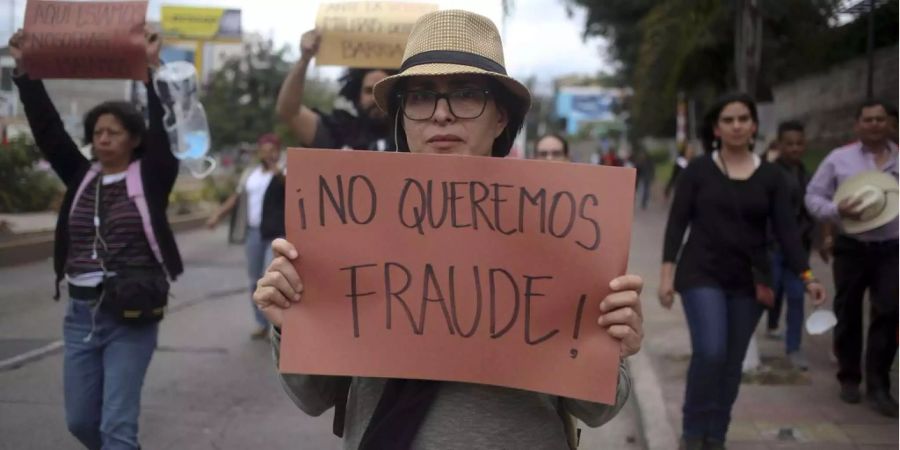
{"x": 340, "y": 405}
{"x": 134, "y": 185}
{"x": 573, "y": 433}
{"x": 91, "y": 173}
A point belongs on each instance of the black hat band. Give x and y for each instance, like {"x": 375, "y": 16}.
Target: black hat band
{"x": 453, "y": 57}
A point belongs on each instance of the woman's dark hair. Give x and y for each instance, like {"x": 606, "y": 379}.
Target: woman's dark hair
{"x": 352, "y": 82}
{"x": 565, "y": 143}
{"x": 711, "y": 118}
{"x": 129, "y": 116}
{"x": 514, "y": 107}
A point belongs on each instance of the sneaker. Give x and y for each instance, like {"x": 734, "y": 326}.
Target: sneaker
{"x": 798, "y": 360}
{"x": 850, "y": 393}
{"x": 260, "y": 333}
{"x": 882, "y": 402}
{"x": 713, "y": 444}
{"x": 773, "y": 334}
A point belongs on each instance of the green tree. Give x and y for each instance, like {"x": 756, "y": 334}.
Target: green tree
{"x": 23, "y": 188}
{"x": 667, "y": 46}
{"x": 240, "y": 97}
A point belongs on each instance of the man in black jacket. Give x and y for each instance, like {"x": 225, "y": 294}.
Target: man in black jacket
{"x": 791, "y": 145}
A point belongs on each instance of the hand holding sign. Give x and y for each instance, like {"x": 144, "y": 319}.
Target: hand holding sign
{"x": 309, "y": 45}
{"x": 154, "y": 45}
{"x": 15, "y": 48}
{"x": 483, "y": 270}
{"x": 281, "y": 287}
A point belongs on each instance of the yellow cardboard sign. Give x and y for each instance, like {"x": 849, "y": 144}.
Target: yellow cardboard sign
{"x": 188, "y": 22}
{"x": 366, "y": 34}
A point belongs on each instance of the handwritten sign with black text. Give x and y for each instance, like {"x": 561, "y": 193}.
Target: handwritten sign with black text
{"x": 367, "y": 34}
{"x": 90, "y": 40}
{"x": 473, "y": 269}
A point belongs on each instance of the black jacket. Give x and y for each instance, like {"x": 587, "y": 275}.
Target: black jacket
{"x": 272, "y": 224}
{"x": 159, "y": 169}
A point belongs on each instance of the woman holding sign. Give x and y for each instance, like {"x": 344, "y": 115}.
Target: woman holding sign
{"x": 728, "y": 198}
{"x": 452, "y": 97}
{"x": 115, "y": 248}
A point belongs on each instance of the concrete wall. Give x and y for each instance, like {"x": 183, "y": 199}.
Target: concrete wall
{"x": 826, "y": 102}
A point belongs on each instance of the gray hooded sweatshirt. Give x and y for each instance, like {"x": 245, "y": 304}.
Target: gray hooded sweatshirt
{"x": 464, "y": 416}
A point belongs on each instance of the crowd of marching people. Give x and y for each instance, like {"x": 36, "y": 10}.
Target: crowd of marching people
{"x": 741, "y": 228}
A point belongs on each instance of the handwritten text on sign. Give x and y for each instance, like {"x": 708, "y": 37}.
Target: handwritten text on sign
{"x": 471, "y": 269}
{"x": 366, "y": 34}
{"x": 85, "y": 39}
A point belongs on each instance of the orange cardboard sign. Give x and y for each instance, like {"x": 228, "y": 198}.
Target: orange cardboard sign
{"x": 443, "y": 267}
{"x": 91, "y": 40}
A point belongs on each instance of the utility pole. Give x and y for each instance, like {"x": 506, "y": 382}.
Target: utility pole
{"x": 870, "y": 52}
{"x": 747, "y": 45}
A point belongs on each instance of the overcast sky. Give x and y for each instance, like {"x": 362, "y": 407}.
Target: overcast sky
{"x": 539, "y": 38}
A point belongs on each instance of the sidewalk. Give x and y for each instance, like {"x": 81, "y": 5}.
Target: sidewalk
{"x": 784, "y": 410}
{"x": 27, "y": 223}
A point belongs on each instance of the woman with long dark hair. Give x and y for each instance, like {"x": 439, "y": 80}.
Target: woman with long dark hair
{"x": 727, "y": 198}
{"x": 114, "y": 247}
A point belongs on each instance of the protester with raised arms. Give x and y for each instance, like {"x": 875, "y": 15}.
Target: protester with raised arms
{"x": 114, "y": 247}
{"x": 356, "y": 122}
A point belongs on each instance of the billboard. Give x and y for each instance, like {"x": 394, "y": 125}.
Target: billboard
{"x": 189, "y": 22}
{"x": 580, "y": 105}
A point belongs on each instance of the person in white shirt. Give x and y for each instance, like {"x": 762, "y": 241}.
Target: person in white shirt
{"x": 258, "y": 214}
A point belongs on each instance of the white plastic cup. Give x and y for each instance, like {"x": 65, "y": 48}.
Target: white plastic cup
{"x": 820, "y": 321}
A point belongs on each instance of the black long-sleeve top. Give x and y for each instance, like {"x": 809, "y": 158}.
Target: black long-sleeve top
{"x": 159, "y": 168}
{"x": 728, "y": 221}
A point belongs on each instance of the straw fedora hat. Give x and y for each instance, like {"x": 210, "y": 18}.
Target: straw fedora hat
{"x": 878, "y": 196}
{"x": 452, "y": 42}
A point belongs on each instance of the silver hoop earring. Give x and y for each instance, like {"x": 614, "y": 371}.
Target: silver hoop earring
{"x": 715, "y": 144}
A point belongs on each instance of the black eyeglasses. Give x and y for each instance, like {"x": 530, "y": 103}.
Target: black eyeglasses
{"x": 556, "y": 153}
{"x": 467, "y": 103}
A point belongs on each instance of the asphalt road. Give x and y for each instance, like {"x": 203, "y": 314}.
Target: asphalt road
{"x": 209, "y": 385}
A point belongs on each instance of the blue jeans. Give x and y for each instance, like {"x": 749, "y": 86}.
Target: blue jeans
{"x": 103, "y": 377}
{"x": 721, "y": 324}
{"x": 259, "y": 254}
{"x": 787, "y": 284}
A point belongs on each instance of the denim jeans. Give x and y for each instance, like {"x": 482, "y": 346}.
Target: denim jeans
{"x": 259, "y": 254}
{"x": 103, "y": 376}
{"x": 789, "y": 286}
{"x": 721, "y": 324}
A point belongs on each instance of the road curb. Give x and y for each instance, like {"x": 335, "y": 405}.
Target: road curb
{"x": 658, "y": 432}
{"x": 18, "y": 360}
{"x": 37, "y": 246}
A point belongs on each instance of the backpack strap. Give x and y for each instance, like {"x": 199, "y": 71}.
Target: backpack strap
{"x": 134, "y": 184}
{"x": 90, "y": 175}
